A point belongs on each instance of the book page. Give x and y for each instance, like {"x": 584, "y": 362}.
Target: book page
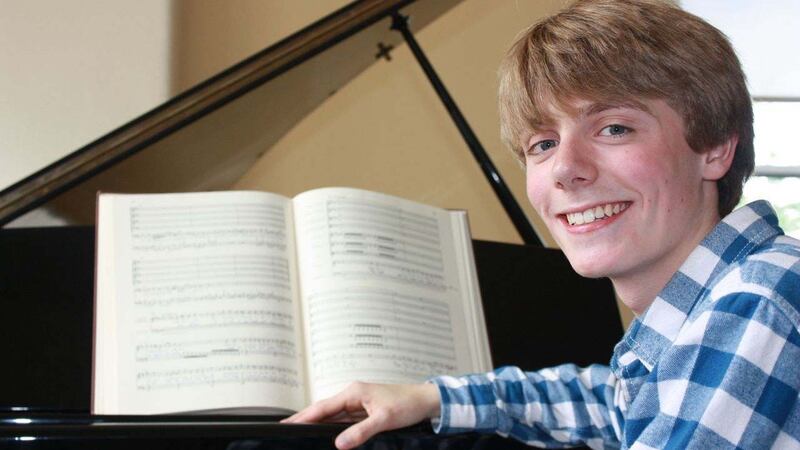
{"x": 200, "y": 313}
{"x": 388, "y": 295}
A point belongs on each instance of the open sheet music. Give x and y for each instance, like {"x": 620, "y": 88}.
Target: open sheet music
{"x": 253, "y": 302}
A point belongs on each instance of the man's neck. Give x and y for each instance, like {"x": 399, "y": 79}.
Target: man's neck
{"x": 638, "y": 289}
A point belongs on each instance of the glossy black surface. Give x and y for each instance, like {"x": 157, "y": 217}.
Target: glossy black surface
{"x": 244, "y": 437}
{"x": 46, "y": 285}
{"x": 538, "y": 313}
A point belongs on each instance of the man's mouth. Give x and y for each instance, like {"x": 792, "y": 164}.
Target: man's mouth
{"x": 595, "y": 213}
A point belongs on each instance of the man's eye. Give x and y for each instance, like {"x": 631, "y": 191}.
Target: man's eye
{"x": 614, "y": 130}
{"x": 542, "y": 146}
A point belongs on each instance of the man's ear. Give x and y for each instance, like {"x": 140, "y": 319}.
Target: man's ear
{"x": 717, "y": 160}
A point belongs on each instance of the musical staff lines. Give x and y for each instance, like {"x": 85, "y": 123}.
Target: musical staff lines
{"x": 385, "y": 368}
{"x": 177, "y": 280}
{"x": 204, "y": 300}
{"x": 408, "y": 316}
{"x": 219, "y": 295}
{"x": 385, "y": 218}
{"x": 198, "y": 226}
{"x": 213, "y": 348}
{"x": 381, "y": 241}
{"x": 176, "y": 274}
{"x": 161, "y": 322}
{"x": 362, "y": 332}
{"x": 148, "y": 380}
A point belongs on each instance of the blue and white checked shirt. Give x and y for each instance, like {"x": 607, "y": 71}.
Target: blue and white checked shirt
{"x": 714, "y": 362}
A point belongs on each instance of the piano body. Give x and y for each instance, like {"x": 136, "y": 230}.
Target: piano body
{"x": 229, "y": 131}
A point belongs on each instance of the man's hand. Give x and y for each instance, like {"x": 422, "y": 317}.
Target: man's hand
{"x": 386, "y": 407}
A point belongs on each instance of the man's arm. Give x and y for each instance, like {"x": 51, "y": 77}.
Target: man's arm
{"x": 556, "y": 407}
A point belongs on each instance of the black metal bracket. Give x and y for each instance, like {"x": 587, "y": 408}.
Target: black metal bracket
{"x": 515, "y": 213}
{"x": 384, "y": 51}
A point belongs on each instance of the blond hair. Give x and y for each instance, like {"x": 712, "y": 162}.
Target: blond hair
{"x": 616, "y": 51}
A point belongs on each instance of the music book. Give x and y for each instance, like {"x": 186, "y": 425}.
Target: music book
{"x": 251, "y": 302}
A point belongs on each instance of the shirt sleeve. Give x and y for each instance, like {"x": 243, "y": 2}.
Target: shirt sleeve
{"x": 563, "y": 406}
{"x": 730, "y": 380}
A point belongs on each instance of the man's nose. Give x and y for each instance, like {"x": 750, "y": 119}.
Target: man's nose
{"x": 574, "y": 165}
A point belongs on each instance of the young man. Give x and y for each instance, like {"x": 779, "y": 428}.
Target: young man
{"x": 635, "y": 127}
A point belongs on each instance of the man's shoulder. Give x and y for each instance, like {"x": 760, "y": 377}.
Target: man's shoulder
{"x": 770, "y": 274}
{"x": 771, "y": 270}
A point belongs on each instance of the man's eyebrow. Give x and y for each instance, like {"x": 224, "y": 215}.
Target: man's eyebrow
{"x": 546, "y": 121}
{"x": 598, "y": 107}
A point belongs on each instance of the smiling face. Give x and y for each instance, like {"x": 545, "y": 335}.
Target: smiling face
{"x": 622, "y": 192}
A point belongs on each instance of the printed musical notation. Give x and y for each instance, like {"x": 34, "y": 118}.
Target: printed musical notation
{"x": 180, "y": 227}
{"x": 175, "y": 280}
{"x": 375, "y": 240}
{"x": 160, "y": 322}
{"x": 203, "y": 293}
{"x": 368, "y": 332}
{"x": 391, "y": 368}
{"x": 148, "y": 380}
{"x": 211, "y": 285}
{"x": 211, "y": 348}
{"x": 387, "y": 219}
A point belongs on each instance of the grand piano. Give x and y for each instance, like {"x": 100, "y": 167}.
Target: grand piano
{"x": 538, "y": 311}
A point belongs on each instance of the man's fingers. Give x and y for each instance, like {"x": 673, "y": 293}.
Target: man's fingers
{"x": 345, "y": 402}
{"x": 318, "y": 411}
{"x": 347, "y": 417}
{"x": 360, "y": 432}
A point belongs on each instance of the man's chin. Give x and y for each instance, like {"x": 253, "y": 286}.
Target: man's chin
{"x": 589, "y": 267}
{"x": 590, "y": 273}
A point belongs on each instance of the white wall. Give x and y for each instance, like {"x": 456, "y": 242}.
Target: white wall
{"x": 766, "y": 38}
{"x": 73, "y": 70}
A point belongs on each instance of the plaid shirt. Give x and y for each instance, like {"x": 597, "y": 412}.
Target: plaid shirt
{"x": 713, "y": 363}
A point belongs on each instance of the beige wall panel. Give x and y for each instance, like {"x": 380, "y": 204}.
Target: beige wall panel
{"x": 215, "y": 150}
{"x": 388, "y": 131}
{"x": 209, "y": 36}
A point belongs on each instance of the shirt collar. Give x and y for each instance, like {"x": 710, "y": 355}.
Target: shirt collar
{"x": 731, "y": 240}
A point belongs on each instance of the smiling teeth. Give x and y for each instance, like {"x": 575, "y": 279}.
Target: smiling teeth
{"x": 596, "y": 213}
